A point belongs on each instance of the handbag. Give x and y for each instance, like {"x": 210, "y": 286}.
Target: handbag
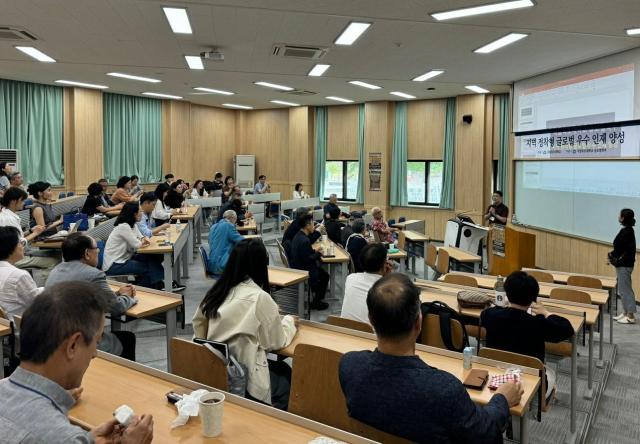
{"x": 473, "y": 299}
{"x": 80, "y": 218}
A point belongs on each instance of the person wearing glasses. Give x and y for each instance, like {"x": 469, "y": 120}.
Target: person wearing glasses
{"x": 17, "y": 287}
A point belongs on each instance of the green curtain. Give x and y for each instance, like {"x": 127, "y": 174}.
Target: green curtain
{"x": 321, "y": 150}
{"x": 361, "y": 155}
{"x": 502, "y": 103}
{"x": 399, "y": 157}
{"x": 448, "y": 161}
{"x": 31, "y": 123}
{"x": 132, "y": 137}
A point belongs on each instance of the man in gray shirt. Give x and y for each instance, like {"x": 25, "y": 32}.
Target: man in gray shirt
{"x": 59, "y": 335}
{"x": 80, "y": 253}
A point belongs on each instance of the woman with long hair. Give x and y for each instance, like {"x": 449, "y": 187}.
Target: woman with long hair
{"x": 623, "y": 258}
{"x": 198, "y": 189}
{"x": 42, "y": 213}
{"x": 239, "y": 311}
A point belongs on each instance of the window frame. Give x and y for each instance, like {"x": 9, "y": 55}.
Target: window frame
{"x": 427, "y": 172}
{"x": 343, "y": 196}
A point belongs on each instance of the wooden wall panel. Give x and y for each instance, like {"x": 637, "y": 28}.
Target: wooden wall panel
{"x": 378, "y": 131}
{"x": 177, "y": 153}
{"x": 425, "y": 129}
{"x": 301, "y": 151}
{"x": 213, "y": 140}
{"x": 470, "y": 154}
{"x": 342, "y": 132}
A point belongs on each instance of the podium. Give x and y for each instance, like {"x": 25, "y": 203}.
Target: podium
{"x": 462, "y": 233}
{"x": 510, "y": 250}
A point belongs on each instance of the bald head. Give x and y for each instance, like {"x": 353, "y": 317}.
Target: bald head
{"x": 394, "y": 306}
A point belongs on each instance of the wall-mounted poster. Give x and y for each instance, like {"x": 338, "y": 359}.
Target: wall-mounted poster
{"x": 375, "y": 171}
{"x": 497, "y": 240}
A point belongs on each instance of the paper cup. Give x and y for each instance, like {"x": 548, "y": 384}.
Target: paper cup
{"x": 211, "y": 409}
{"x": 325, "y": 238}
{"x": 92, "y": 223}
{"x": 72, "y": 225}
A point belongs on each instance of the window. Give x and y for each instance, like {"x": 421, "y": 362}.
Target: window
{"x": 424, "y": 182}
{"x": 341, "y": 179}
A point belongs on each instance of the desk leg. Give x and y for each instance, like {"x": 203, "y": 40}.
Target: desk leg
{"x": 401, "y": 268}
{"x": 600, "y": 362}
{"x": 476, "y": 267}
{"x": 589, "y": 393}
{"x": 186, "y": 257}
{"x": 301, "y": 298}
{"x": 167, "y": 263}
{"x": 344, "y": 270}
{"x": 524, "y": 429}
{"x": 1, "y": 360}
{"x": 612, "y": 297}
{"x": 171, "y": 332}
{"x": 192, "y": 239}
{"x": 332, "y": 281}
{"x": 574, "y": 380}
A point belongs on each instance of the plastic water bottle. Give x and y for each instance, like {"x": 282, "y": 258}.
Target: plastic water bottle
{"x": 467, "y": 353}
{"x": 178, "y": 225}
{"x": 501, "y": 295}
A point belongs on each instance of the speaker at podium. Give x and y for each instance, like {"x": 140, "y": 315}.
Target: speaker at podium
{"x": 462, "y": 232}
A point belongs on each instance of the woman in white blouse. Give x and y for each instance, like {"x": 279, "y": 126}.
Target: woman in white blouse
{"x": 120, "y": 251}
{"x": 299, "y": 193}
{"x": 161, "y": 213}
{"x": 17, "y": 287}
{"x": 198, "y": 190}
{"x": 239, "y": 311}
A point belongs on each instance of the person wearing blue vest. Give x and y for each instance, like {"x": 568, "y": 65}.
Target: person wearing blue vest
{"x": 223, "y": 236}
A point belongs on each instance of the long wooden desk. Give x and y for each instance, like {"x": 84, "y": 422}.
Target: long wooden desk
{"x": 598, "y": 297}
{"x": 110, "y": 382}
{"x": 249, "y": 225}
{"x": 5, "y": 330}
{"x": 399, "y": 256}
{"x": 341, "y": 259}
{"x": 403, "y": 225}
{"x": 414, "y": 238}
{"x": 179, "y": 238}
{"x": 463, "y": 257}
{"x": 608, "y": 282}
{"x": 152, "y": 302}
{"x": 577, "y": 314}
{"x": 287, "y": 277}
{"x": 344, "y": 340}
{"x": 193, "y": 216}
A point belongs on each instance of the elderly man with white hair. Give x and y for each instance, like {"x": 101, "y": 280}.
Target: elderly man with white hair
{"x": 223, "y": 236}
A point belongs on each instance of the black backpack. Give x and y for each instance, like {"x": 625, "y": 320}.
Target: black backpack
{"x": 446, "y": 314}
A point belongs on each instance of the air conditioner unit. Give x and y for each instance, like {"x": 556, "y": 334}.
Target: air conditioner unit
{"x": 10, "y": 156}
{"x": 244, "y": 168}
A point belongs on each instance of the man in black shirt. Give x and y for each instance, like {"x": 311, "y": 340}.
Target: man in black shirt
{"x": 355, "y": 242}
{"x": 293, "y": 229}
{"x": 395, "y": 391}
{"x": 303, "y": 257}
{"x": 333, "y": 204}
{"x": 497, "y": 212}
{"x": 333, "y": 226}
{"x": 513, "y": 329}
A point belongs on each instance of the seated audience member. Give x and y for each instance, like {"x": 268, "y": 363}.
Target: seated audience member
{"x": 295, "y": 226}
{"x": 16, "y": 180}
{"x": 379, "y": 225}
{"x": 123, "y": 191}
{"x": 227, "y": 189}
{"x": 136, "y": 188}
{"x": 514, "y": 330}
{"x": 218, "y": 183}
{"x": 223, "y": 236}
{"x": 95, "y": 202}
{"x": 169, "y": 179}
{"x": 161, "y": 213}
{"x": 395, "y": 391}
{"x": 303, "y": 257}
{"x": 333, "y": 203}
{"x": 236, "y": 193}
{"x": 333, "y": 226}
{"x": 80, "y": 254}
{"x": 375, "y": 265}
{"x": 42, "y": 212}
{"x": 198, "y": 190}
{"x": 236, "y": 206}
{"x": 59, "y": 335}
{"x": 355, "y": 242}
{"x": 174, "y": 198}
{"x": 262, "y": 186}
{"x": 147, "y": 224}
{"x": 299, "y": 193}
{"x": 12, "y": 202}
{"x": 239, "y": 311}
{"x": 120, "y": 251}
{"x": 5, "y": 171}
{"x": 106, "y": 201}
{"x": 17, "y": 287}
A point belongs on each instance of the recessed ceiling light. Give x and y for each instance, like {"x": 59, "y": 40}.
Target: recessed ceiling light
{"x": 633, "y": 31}
{"x": 274, "y": 86}
{"x": 401, "y": 94}
{"x": 318, "y": 70}
{"x": 339, "y": 99}
{"x": 163, "y": 96}
{"x": 282, "y": 102}
{"x": 500, "y": 43}
{"x": 477, "y": 89}
{"x": 233, "y": 105}
{"x": 428, "y": 75}
{"x": 84, "y": 85}
{"x": 214, "y": 91}
{"x": 132, "y": 77}
{"x": 483, "y": 9}
{"x": 364, "y": 84}
{"x": 35, "y": 53}
{"x": 178, "y": 20}
{"x": 351, "y": 33}
{"x": 194, "y": 62}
